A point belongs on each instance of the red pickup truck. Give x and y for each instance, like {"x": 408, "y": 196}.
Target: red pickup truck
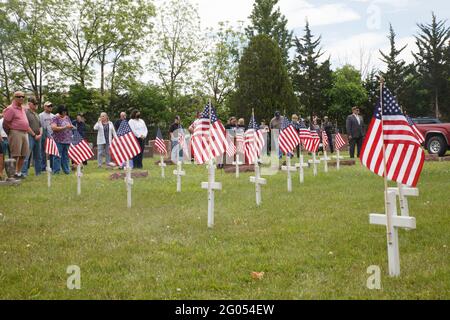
{"x": 436, "y": 133}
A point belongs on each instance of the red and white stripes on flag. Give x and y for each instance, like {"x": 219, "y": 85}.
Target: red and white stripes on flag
{"x": 288, "y": 138}
{"x": 417, "y": 132}
{"x": 231, "y": 148}
{"x": 125, "y": 145}
{"x": 206, "y": 147}
{"x": 159, "y": 143}
{"x": 404, "y": 156}
{"x": 240, "y": 141}
{"x": 254, "y": 143}
{"x": 51, "y": 148}
{"x": 304, "y": 135}
{"x": 80, "y": 152}
{"x": 312, "y": 143}
{"x": 324, "y": 140}
{"x": 339, "y": 141}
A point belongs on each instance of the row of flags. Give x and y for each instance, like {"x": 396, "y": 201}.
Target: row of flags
{"x": 392, "y": 140}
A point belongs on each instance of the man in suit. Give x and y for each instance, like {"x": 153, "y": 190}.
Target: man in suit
{"x": 355, "y": 131}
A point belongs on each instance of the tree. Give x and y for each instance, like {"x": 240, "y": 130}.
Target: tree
{"x": 178, "y": 46}
{"x": 347, "y": 91}
{"x": 432, "y": 42}
{"x": 266, "y": 20}
{"x": 395, "y": 73}
{"x": 221, "y": 61}
{"x": 311, "y": 80}
{"x": 263, "y": 82}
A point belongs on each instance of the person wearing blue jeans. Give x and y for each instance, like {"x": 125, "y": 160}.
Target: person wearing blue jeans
{"x": 62, "y": 162}
{"x": 34, "y": 138}
{"x": 62, "y": 134}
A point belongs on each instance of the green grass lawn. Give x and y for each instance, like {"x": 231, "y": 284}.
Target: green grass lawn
{"x": 314, "y": 243}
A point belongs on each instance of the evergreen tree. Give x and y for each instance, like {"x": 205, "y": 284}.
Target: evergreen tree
{"x": 266, "y": 20}
{"x": 395, "y": 73}
{"x": 311, "y": 80}
{"x": 432, "y": 42}
{"x": 263, "y": 82}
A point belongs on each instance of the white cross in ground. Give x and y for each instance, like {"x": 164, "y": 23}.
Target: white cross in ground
{"x": 288, "y": 168}
{"x": 237, "y": 163}
{"x": 395, "y": 223}
{"x": 402, "y": 192}
{"x": 300, "y": 166}
{"x": 79, "y": 175}
{"x": 258, "y": 181}
{"x": 211, "y": 186}
{"x": 49, "y": 173}
{"x": 325, "y": 159}
{"x": 314, "y": 162}
{"x": 179, "y": 173}
{"x": 338, "y": 158}
{"x": 128, "y": 182}
{"x": 162, "y": 164}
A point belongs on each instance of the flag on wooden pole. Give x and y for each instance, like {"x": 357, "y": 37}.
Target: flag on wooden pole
{"x": 254, "y": 141}
{"x": 231, "y": 148}
{"x": 311, "y": 143}
{"x": 418, "y": 134}
{"x": 324, "y": 140}
{"x": 289, "y": 138}
{"x": 404, "y": 156}
{"x": 339, "y": 141}
{"x": 159, "y": 143}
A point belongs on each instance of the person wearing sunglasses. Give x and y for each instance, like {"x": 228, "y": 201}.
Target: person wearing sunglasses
{"x": 16, "y": 126}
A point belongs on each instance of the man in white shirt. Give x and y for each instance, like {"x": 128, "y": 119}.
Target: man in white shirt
{"x": 139, "y": 128}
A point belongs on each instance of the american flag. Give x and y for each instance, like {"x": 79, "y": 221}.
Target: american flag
{"x": 304, "y": 134}
{"x": 182, "y": 140}
{"x": 79, "y": 150}
{"x": 339, "y": 141}
{"x": 288, "y": 138}
{"x": 50, "y": 147}
{"x": 231, "y": 148}
{"x": 404, "y": 157}
{"x": 240, "y": 140}
{"x": 125, "y": 146}
{"x": 418, "y": 134}
{"x": 204, "y": 146}
{"x": 312, "y": 142}
{"x": 254, "y": 141}
{"x": 159, "y": 143}
{"x": 324, "y": 140}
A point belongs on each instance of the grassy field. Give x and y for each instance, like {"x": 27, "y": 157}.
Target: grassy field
{"x": 315, "y": 243}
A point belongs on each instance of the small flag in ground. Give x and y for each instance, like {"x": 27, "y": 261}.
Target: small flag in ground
{"x": 231, "y": 148}
{"x": 206, "y": 147}
{"x": 50, "y": 147}
{"x": 339, "y": 141}
{"x": 254, "y": 141}
{"x": 304, "y": 134}
{"x": 418, "y": 134}
{"x": 404, "y": 156}
{"x": 182, "y": 140}
{"x": 312, "y": 143}
{"x": 240, "y": 140}
{"x": 159, "y": 143}
{"x": 125, "y": 146}
{"x": 288, "y": 138}
{"x": 324, "y": 140}
{"x": 79, "y": 150}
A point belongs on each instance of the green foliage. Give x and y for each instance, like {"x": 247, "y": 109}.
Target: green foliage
{"x": 312, "y": 80}
{"x": 266, "y": 20}
{"x": 347, "y": 92}
{"x": 263, "y": 82}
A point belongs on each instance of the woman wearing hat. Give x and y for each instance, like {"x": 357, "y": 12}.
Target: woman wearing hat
{"x": 62, "y": 134}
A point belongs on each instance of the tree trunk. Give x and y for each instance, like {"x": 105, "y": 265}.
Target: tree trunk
{"x": 436, "y": 101}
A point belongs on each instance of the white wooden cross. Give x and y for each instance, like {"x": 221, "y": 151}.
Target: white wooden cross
{"x": 179, "y": 173}
{"x": 79, "y": 175}
{"x": 129, "y": 182}
{"x": 288, "y": 168}
{"x": 162, "y": 164}
{"x": 211, "y": 186}
{"x": 258, "y": 181}
{"x": 402, "y": 192}
{"x": 314, "y": 162}
{"x": 338, "y": 158}
{"x": 395, "y": 223}
{"x": 300, "y": 166}
{"x": 325, "y": 159}
{"x": 237, "y": 163}
{"x": 49, "y": 173}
